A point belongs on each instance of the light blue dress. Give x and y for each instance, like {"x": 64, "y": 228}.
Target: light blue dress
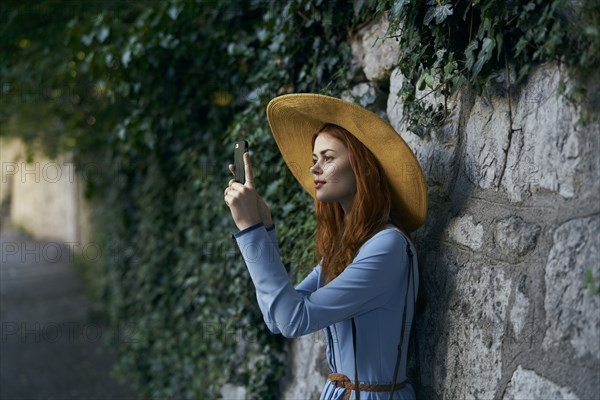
{"x": 371, "y": 290}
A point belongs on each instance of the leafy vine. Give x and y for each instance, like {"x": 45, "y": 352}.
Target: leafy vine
{"x": 152, "y": 94}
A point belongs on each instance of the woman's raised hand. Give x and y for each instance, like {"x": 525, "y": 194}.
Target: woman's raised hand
{"x": 247, "y": 207}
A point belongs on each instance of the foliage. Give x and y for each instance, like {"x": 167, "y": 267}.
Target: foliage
{"x": 590, "y": 283}
{"x": 195, "y": 78}
{"x": 150, "y": 96}
{"x": 47, "y": 98}
{"x": 154, "y": 94}
{"x": 491, "y": 46}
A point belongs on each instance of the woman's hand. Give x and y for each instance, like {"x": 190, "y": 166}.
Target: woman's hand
{"x": 247, "y": 207}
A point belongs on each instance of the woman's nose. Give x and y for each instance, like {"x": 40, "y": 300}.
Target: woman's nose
{"x": 315, "y": 169}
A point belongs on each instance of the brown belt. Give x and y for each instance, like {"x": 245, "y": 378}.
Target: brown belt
{"x": 342, "y": 381}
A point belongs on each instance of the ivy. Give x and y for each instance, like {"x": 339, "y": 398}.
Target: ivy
{"x": 593, "y": 285}
{"x": 490, "y": 46}
{"x": 172, "y": 85}
{"x": 153, "y": 95}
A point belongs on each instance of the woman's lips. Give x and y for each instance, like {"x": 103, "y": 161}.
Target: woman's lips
{"x": 319, "y": 184}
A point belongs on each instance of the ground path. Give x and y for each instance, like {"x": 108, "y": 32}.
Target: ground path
{"x": 50, "y": 348}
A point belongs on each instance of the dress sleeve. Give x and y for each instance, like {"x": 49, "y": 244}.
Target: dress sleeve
{"x": 270, "y": 231}
{"x": 308, "y": 285}
{"x": 273, "y": 236}
{"x": 367, "y": 283}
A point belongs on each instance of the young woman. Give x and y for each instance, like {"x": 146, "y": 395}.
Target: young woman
{"x": 369, "y": 192}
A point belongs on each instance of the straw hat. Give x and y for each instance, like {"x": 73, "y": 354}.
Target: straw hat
{"x": 294, "y": 118}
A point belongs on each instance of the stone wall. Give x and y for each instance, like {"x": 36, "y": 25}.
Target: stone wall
{"x": 512, "y": 230}
{"x": 11, "y": 150}
{"x": 43, "y": 197}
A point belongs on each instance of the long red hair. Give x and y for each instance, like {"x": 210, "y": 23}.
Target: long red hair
{"x": 369, "y": 213}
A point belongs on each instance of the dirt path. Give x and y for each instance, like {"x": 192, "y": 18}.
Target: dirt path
{"x": 49, "y": 346}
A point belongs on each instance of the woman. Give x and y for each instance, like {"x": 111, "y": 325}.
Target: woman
{"x": 368, "y": 188}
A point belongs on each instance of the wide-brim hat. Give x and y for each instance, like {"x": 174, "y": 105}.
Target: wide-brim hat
{"x": 294, "y": 118}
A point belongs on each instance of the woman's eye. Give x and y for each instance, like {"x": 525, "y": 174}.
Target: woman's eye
{"x": 328, "y": 158}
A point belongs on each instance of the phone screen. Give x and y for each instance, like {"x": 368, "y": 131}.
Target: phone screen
{"x": 238, "y": 161}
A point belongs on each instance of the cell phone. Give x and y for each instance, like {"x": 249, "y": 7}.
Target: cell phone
{"x": 238, "y": 161}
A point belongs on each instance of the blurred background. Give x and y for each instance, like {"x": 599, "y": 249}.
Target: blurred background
{"x": 119, "y": 277}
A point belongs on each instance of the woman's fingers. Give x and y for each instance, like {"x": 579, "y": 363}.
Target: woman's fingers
{"x": 248, "y": 167}
{"x": 234, "y": 189}
{"x": 228, "y": 186}
{"x": 242, "y": 200}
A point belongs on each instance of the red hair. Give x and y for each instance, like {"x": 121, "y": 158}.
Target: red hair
{"x": 369, "y": 213}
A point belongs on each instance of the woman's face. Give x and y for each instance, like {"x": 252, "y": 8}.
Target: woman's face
{"x": 331, "y": 165}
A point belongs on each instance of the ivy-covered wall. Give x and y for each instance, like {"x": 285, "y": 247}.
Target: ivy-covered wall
{"x": 153, "y": 95}
{"x": 197, "y": 77}
{"x": 509, "y": 248}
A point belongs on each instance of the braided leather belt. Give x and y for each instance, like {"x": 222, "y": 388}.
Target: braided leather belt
{"x": 342, "y": 381}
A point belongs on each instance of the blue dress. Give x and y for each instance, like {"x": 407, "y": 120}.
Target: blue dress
{"x": 371, "y": 290}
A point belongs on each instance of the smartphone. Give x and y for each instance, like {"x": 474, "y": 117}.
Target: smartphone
{"x": 238, "y": 161}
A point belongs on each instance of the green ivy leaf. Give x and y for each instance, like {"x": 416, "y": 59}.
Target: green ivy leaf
{"x": 397, "y": 8}
{"x": 499, "y": 44}
{"x": 421, "y": 83}
{"x": 470, "y": 53}
{"x": 450, "y": 68}
{"x": 520, "y": 46}
{"x": 487, "y": 47}
{"x": 440, "y": 13}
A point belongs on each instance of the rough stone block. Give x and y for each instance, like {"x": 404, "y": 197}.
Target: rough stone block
{"x": 476, "y": 316}
{"x": 526, "y": 384}
{"x": 513, "y": 236}
{"x": 466, "y": 232}
{"x": 486, "y": 138}
{"x": 546, "y": 145}
{"x": 308, "y": 367}
{"x": 518, "y": 313}
{"x": 544, "y": 148}
{"x": 374, "y": 52}
{"x": 571, "y": 310}
{"x": 395, "y": 107}
{"x": 436, "y": 152}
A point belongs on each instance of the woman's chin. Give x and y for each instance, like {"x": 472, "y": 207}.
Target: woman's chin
{"x": 323, "y": 198}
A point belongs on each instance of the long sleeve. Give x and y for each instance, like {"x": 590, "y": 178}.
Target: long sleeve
{"x": 365, "y": 284}
{"x": 308, "y": 285}
{"x": 273, "y": 237}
